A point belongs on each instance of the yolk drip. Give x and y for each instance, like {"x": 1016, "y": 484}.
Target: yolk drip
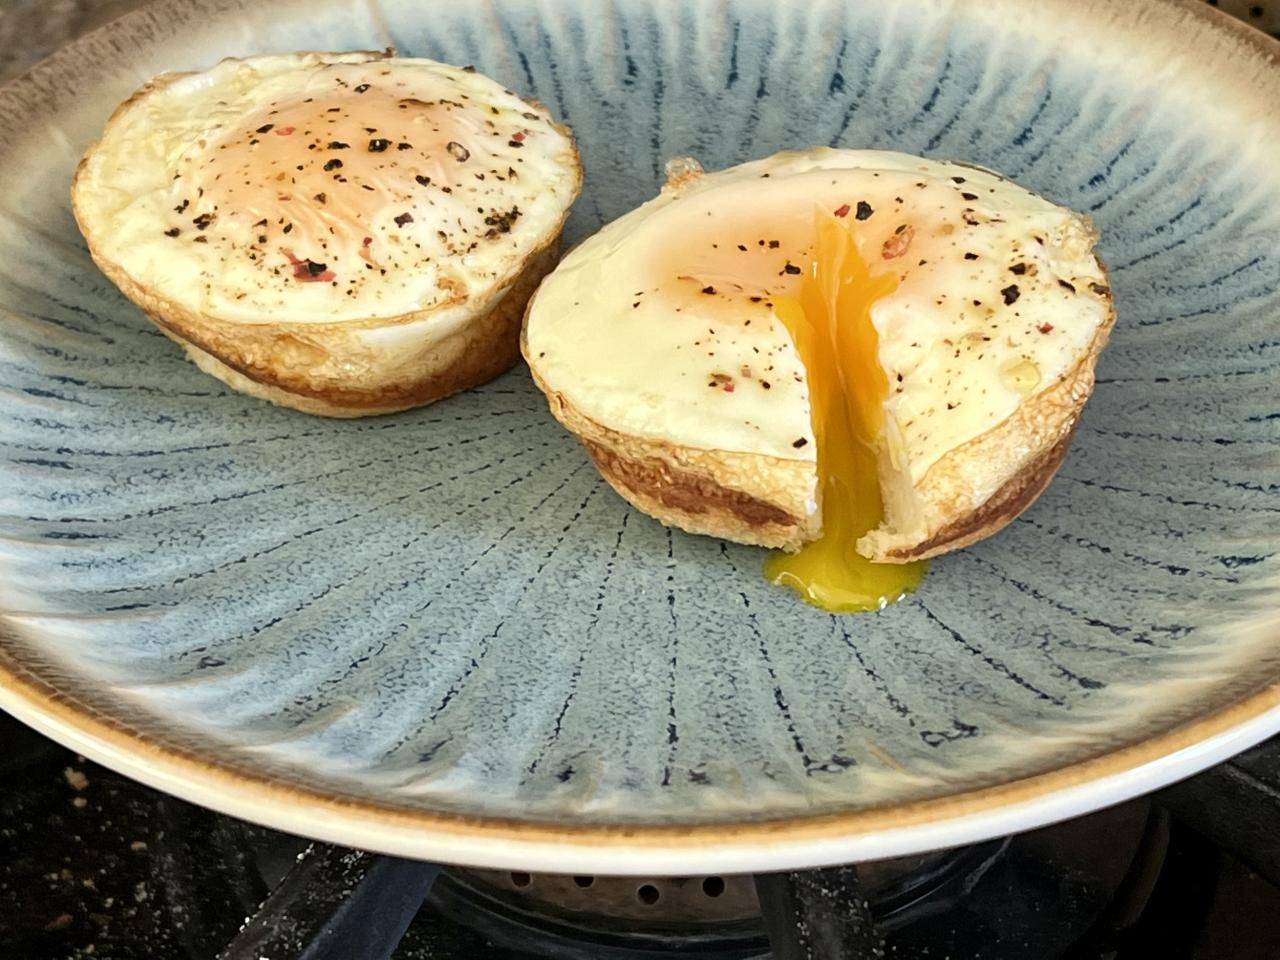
{"x": 830, "y": 324}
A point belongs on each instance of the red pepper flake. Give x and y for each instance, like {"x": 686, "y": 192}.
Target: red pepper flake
{"x": 897, "y": 245}
{"x": 308, "y": 270}
{"x": 842, "y": 210}
{"x": 517, "y": 136}
{"x": 728, "y": 386}
{"x": 1045, "y": 327}
{"x": 367, "y": 241}
{"x": 284, "y": 131}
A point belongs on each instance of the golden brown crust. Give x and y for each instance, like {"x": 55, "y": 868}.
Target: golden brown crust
{"x": 277, "y": 363}
{"x": 1015, "y": 495}
{"x": 686, "y": 499}
{"x": 1025, "y": 449}
{"x": 483, "y": 348}
{"x": 747, "y": 498}
{"x": 326, "y": 368}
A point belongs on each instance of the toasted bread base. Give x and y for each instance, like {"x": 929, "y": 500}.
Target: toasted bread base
{"x": 747, "y": 498}
{"x": 982, "y": 485}
{"x": 280, "y": 364}
{"x": 768, "y": 502}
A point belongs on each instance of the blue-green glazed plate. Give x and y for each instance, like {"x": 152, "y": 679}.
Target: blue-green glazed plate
{"x": 441, "y": 634}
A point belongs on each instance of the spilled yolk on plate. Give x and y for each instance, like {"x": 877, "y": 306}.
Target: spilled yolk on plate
{"x": 829, "y": 318}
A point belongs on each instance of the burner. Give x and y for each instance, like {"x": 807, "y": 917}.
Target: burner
{"x": 719, "y": 916}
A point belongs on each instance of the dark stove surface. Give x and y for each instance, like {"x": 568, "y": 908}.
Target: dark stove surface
{"x": 95, "y": 865}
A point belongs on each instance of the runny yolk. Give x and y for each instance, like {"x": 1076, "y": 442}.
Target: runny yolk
{"x": 830, "y": 324}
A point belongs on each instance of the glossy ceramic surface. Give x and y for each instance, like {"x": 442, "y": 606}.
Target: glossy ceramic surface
{"x": 440, "y": 633}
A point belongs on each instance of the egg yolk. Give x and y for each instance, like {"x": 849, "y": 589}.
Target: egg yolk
{"x": 339, "y": 169}
{"x": 830, "y": 323}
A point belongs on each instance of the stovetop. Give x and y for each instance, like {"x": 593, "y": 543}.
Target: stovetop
{"x": 95, "y": 865}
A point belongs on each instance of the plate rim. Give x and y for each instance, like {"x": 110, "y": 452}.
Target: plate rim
{"x": 787, "y": 842}
{"x": 736, "y": 846}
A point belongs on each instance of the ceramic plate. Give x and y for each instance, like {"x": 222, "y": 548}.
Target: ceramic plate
{"x": 441, "y": 634}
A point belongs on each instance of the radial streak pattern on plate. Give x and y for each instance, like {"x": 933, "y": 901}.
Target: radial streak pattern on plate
{"x": 447, "y": 611}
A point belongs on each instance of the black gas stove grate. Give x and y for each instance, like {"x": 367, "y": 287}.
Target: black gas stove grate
{"x": 95, "y": 865}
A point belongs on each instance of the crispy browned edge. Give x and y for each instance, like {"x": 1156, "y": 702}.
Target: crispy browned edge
{"x": 1058, "y": 409}
{"x": 270, "y": 360}
{"x": 482, "y": 349}
{"x": 747, "y": 498}
{"x": 690, "y": 489}
{"x": 1015, "y": 495}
